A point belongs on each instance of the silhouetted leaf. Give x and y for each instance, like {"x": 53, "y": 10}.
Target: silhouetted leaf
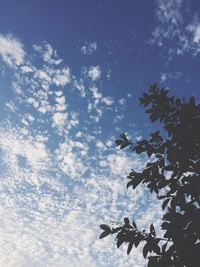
{"x": 126, "y": 220}
{"x": 156, "y": 249}
{"x": 173, "y": 204}
{"x": 120, "y": 241}
{"x": 192, "y": 100}
{"x": 164, "y": 247}
{"x": 153, "y": 87}
{"x": 118, "y": 142}
{"x": 134, "y": 224}
{"x": 123, "y": 136}
{"x": 165, "y": 202}
{"x": 169, "y": 168}
{"x": 137, "y": 180}
{"x": 130, "y": 246}
{"x": 137, "y": 241}
{"x": 125, "y": 144}
{"x": 105, "y": 227}
{"x": 165, "y": 225}
{"x": 152, "y": 230}
{"x": 178, "y": 102}
{"x": 104, "y": 234}
{"x": 129, "y": 184}
{"x": 115, "y": 230}
{"x": 149, "y": 151}
{"x": 145, "y": 250}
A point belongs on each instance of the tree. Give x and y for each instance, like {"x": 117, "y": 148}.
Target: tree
{"x": 173, "y": 174}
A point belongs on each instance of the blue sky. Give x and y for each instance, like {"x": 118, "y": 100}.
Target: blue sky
{"x": 71, "y": 73}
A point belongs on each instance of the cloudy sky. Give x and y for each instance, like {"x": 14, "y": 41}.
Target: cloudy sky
{"x": 71, "y": 72}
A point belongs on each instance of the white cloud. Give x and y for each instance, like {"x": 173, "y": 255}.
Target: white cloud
{"x": 94, "y": 73}
{"x": 69, "y": 154}
{"x": 11, "y": 50}
{"x": 60, "y": 100}
{"x": 107, "y": 100}
{"x": 197, "y": 34}
{"x": 174, "y": 30}
{"x": 26, "y": 69}
{"x": 118, "y": 118}
{"x": 89, "y": 48}
{"x": 61, "y": 77}
{"x": 122, "y": 101}
{"x": 79, "y": 85}
{"x": 42, "y": 75}
{"x": 33, "y": 151}
{"x": 10, "y": 105}
{"x": 61, "y": 105}
{"x": 58, "y": 93}
{"x": 166, "y": 76}
{"x": 96, "y": 93}
{"x": 59, "y": 119}
{"x": 163, "y": 77}
{"x": 48, "y": 53}
{"x": 32, "y": 101}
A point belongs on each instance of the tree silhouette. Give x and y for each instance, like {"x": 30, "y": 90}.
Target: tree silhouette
{"x": 173, "y": 175}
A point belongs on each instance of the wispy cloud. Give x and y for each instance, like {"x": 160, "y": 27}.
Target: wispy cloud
{"x": 11, "y": 50}
{"x": 175, "y": 31}
{"x": 48, "y": 54}
{"x": 94, "y": 73}
{"x": 89, "y": 48}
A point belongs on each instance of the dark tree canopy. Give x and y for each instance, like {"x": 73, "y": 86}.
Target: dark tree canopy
{"x": 173, "y": 175}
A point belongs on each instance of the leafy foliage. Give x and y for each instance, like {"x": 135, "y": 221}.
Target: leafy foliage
{"x": 174, "y": 170}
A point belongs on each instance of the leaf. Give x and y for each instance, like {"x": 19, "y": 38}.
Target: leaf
{"x": 162, "y": 183}
{"x": 169, "y": 168}
{"x": 137, "y": 180}
{"x": 161, "y": 197}
{"x": 173, "y": 204}
{"x": 126, "y": 221}
{"x": 104, "y": 234}
{"x": 129, "y": 184}
{"x": 145, "y": 250}
{"x": 165, "y": 202}
{"x": 137, "y": 241}
{"x": 134, "y": 224}
{"x": 164, "y": 247}
{"x": 156, "y": 249}
{"x": 178, "y": 102}
{"x": 149, "y": 151}
{"x": 105, "y": 227}
{"x": 125, "y": 144}
{"x": 115, "y": 230}
{"x": 152, "y": 230}
{"x": 154, "y": 117}
{"x": 159, "y": 156}
{"x": 123, "y": 136}
{"x": 118, "y": 142}
{"x": 153, "y": 87}
{"x": 120, "y": 241}
{"x": 192, "y": 100}
{"x": 130, "y": 246}
{"x": 165, "y": 225}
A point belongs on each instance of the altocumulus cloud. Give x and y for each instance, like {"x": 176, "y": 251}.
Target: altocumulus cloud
{"x": 60, "y": 174}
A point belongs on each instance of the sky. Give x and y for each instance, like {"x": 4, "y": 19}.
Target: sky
{"x": 71, "y": 73}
